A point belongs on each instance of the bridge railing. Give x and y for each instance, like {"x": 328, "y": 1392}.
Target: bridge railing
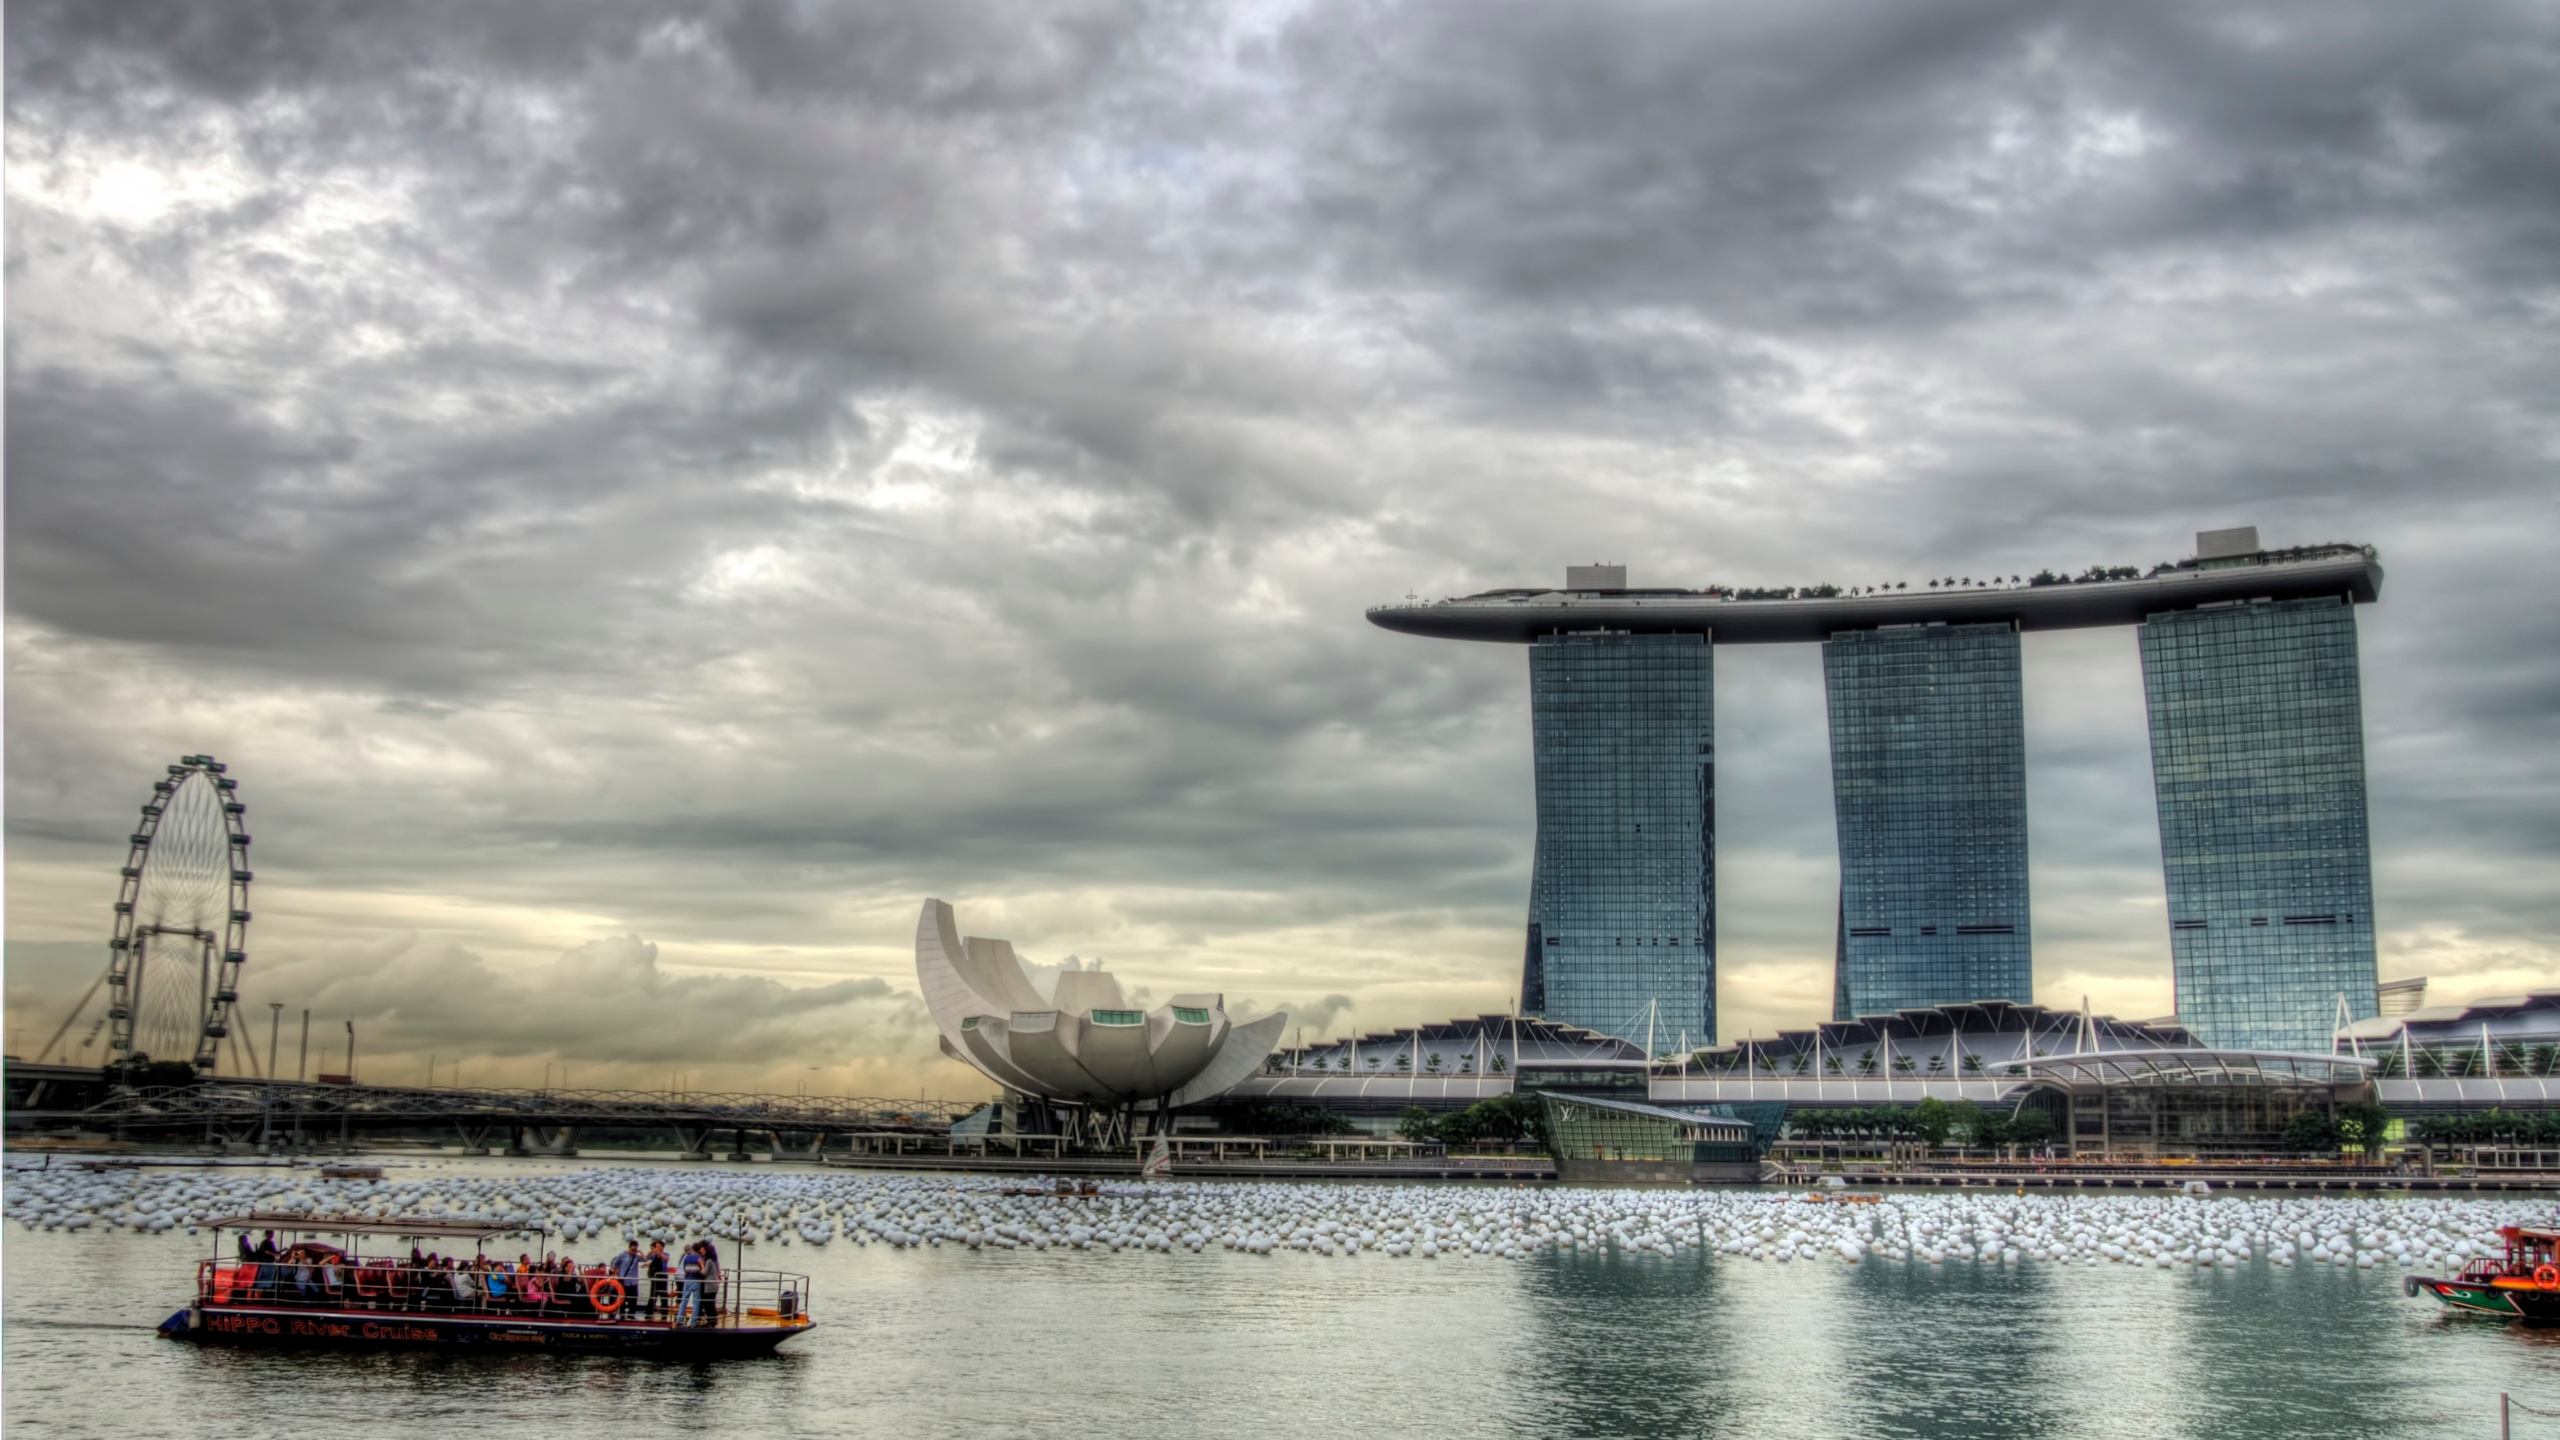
{"x": 237, "y": 1099}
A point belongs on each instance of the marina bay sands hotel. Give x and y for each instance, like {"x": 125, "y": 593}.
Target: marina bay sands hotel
{"x": 2257, "y": 764}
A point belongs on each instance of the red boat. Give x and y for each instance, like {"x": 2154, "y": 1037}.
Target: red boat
{"x": 2523, "y": 1286}
{"x": 320, "y": 1293}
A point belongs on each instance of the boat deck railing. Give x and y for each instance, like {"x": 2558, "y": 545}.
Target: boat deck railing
{"x": 739, "y": 1299}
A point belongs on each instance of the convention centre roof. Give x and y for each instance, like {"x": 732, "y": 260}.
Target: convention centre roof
{"x": 2199, "y": 1067}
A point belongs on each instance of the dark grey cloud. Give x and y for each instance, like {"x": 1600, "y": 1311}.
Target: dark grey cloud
{"x": 721, "y": 473}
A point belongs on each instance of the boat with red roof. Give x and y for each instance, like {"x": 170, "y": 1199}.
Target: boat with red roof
{"x": 2522, "y": 1285}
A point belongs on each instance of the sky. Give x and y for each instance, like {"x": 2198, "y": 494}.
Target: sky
{"x": 640, "y": 497}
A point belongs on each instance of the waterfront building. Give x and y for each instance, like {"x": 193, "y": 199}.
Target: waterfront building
{"x": 2501, "y": 1052}
{"x": 2225, "y": 632}
{"x": 1597, "y": 1140}
{"x": 1068, "y": 1035}
{"x": 1371, "y": 1079}
{"x": 1929, "y": 794}
{"x": 1622, "y": 890}
{"x": 2257, "y": 758}
{"x": 2110, "y": 1087}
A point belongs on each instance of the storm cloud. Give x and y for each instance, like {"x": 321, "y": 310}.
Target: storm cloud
{"x": 722, "y": 473}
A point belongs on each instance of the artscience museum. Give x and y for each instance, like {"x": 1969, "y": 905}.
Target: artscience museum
{"x": 1067, "y": 1035}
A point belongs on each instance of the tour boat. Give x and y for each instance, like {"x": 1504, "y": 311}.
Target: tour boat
{"x": 329, "y": 1294}
{"x": 2523, "y": 1286}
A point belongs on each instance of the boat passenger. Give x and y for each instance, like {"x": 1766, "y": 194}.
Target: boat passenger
{"x": 266, "y": 1285}
{"x": 689, "y": 1282}
{"x": 658, "y": 1267}
{"x": 710, "y": 1283}
{"x": 627, "y": 1268}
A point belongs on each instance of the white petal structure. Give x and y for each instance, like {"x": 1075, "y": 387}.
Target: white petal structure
{"x": 1067, "y": 1033}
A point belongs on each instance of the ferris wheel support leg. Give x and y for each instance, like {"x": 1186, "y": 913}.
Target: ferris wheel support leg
{"x": 74, "y": 1017}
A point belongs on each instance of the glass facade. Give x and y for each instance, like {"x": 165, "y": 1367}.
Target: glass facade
{"x": 1646, "y": 1133}
{"x": 1622, "y": 899}
{"x": 2205, "y": 1120}
{"x": 1929, "y": 790}
{"x": 2257, "y": 758}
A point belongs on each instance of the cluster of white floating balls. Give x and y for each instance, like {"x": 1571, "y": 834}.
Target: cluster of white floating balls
{"x": 1336, "y": 1219}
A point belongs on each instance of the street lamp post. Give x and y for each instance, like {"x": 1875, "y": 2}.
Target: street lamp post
{"x": 275, "y": 1063}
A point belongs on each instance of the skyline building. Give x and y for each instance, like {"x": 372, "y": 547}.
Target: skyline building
{"x": 2249, "y": 666}
{"x": 1929, "y": 796}
{"x": 1621, "y": 932}
{"x": 2257, "y": 762}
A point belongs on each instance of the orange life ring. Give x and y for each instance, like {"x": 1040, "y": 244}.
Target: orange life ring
{"x": 605, "y": 1293}
{"x": 2547, "y": 1276}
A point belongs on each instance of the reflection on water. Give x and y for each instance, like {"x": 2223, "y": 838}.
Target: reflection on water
{"x": 945, "y": 1342}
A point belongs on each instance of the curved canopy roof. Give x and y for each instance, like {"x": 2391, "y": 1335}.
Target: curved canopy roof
{"x": 2198, "y": 1066}
{"x": 1694, "y": 1124}
{"x": 2534, "y": 1014}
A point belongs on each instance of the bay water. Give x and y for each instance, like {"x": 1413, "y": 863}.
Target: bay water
{"x": 953, "y": 1342}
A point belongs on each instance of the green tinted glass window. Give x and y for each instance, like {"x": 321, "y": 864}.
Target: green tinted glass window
{"x": 2257, "y": 762}
{"x": 1119, "y": 1017}
{"x": 1189, "y": 1016}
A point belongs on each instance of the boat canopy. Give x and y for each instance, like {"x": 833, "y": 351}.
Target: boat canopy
{"x": 403, "y": 1227}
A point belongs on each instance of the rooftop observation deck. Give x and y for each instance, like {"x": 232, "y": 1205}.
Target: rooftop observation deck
{"x": 2351, "y": 572}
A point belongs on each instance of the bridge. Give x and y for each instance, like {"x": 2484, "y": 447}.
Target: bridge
{"x": 261, "y": 1115}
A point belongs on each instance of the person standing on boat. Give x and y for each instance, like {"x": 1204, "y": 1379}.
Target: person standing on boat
{"x": 265, "y": 1255}
{"x": 627, "y": 1267}
{"x": 689, "y": 1282}
{"x": 710, "y": 1282}
{"x": 657, "y": 1278}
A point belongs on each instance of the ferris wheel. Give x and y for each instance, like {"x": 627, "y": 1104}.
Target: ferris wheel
{"x": 181, "y": 920}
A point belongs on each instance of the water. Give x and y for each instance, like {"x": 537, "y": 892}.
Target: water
{"x": 936, "y": 1342}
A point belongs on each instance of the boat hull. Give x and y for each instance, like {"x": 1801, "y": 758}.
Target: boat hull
{"x": 373, "y": 1330}
{"x": 2531, "y": 1304}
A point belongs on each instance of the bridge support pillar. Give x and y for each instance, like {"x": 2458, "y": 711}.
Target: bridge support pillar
{"x": 738, "y": 1147}
{"x": 816, "y": 1149}
{"x": 696, "y": 1141}
{"x": 475, "y": 1138}
{"x": 547, "y": 1140}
